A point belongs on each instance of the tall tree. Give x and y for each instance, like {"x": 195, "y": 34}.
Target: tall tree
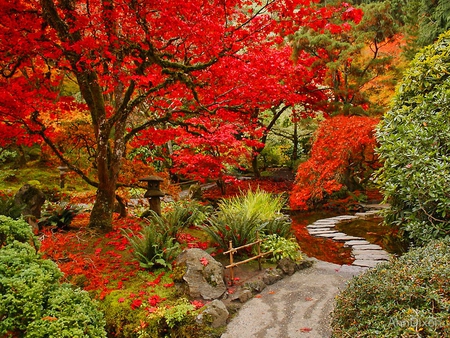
{"x": 136, "y": 64}
{"x": 350, "y": 55}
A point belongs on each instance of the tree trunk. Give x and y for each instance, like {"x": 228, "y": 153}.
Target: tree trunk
{"x": 255, "y": 167}
{"x": 102, "y": 212}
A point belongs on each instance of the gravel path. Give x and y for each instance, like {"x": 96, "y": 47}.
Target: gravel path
{"x": 297, "y": 306}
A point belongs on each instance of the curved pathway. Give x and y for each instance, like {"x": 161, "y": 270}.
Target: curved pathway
{"x": 300, "y": 305}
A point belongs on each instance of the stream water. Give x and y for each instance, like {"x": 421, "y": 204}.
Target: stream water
{"x": 331, "y": 251}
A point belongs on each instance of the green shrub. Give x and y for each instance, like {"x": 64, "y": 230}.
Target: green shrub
{"x": 415, "y": 147}
{"x": 33, "y": 303}
{"x": 15, "y": 230}
{"x": 281, "y": 247}
{"x": 407, "y": 297}
{"x": 175, "y": 320}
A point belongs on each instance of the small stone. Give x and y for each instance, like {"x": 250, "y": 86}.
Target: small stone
{"x": 271, "y": 276}
{"x": 370, "y": 252}
{"x": 215, "y": 314}
{"x": 242, "y": 295}
{"x": 304, "y": 264}
{"x": 320, "y": 226}
{"x": 287, "y": 266}
{"x": 255, "y": 286}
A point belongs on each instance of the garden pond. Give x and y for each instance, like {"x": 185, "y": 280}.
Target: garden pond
{"x": 329, "y": 250}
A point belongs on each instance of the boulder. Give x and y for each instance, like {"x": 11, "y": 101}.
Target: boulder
{"x": 31, "y": 200}
{"x": 203, "y": 276}
{"x": 215, "y": 314}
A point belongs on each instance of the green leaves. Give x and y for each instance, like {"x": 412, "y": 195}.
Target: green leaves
{"x": 33, "y": 303}
{"x": 415, "y": 147}
{"x": 407, "y": 297}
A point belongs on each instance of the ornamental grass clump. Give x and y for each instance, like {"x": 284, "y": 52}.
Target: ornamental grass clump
{"x": 407, "y": 297}
{"x": 239, "y": 218}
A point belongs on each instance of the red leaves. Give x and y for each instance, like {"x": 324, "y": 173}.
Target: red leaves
{"x": 341, "y": 143}
{"x": 204, "y": 261}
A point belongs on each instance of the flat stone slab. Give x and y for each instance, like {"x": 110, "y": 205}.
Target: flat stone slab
{"x": 366, "y": 263}
{"x": 357, "y": 242}
{"x": 344, "y": 217}
{"x": 345, "y": 238}
{"x": 325, "y": 231}
{"x": 371, "y": 257}
{"x": 336, "y": 234}
{"x": 370, "y": 213}
{"x": 325, "y": 221}
{"x": 369, "y": 252}
{"x": 317, "y": 226}
{"x": 367, "y": 247}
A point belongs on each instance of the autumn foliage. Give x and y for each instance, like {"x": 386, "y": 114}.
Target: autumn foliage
{"x": 342, "y": 157}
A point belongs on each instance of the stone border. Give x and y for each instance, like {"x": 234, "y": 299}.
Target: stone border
{"x": 366, "y": 255}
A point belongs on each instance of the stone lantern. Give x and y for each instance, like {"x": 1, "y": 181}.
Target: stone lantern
{"x": 153, "y": 192}
{"x": 62, "y": 175}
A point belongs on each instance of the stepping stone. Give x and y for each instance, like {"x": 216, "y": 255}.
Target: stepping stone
{"x": 367, "y": 247}
{"x": 369, "y": 252}
{"x": 336, "y": 234}
{"x": 344, "y": 217}
{"x": 318, "y": 226}
{"x": 370, "y": 213}
{"x": 357, "y": 242}
{"x": 321, "y": 231}
{"x": 345, "y": 238}
{"x": 371, "y": 257}
{"x": 325, "y": 222}
{"x": 366, "y": 263}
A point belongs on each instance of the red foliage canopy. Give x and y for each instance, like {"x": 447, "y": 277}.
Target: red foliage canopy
{"x": 342, "y": 155}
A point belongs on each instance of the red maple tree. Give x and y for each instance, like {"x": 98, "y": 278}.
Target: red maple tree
{"x": 342, "y": 156}
{"x": 135, "y": 65}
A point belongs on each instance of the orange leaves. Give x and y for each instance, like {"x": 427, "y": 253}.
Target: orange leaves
{"x": 342, "y": 155}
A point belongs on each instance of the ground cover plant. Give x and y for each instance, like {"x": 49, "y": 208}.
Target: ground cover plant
{"x": 407, "y": 297}
{"x": 128, "y": 291}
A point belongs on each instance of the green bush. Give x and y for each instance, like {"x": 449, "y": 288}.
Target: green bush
{"x": 177, "y": 319}
{"x": 407, "y": 297}
{"x": 15, "y": 230}
{"x": 239, "y": 218}
{"x": 33, "y": 303}
{"x": 281, "y": 248}
{"x": 415, "y": 147}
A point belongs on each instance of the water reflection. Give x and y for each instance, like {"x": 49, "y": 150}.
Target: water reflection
{"x": 324, "y": 249}
{"x": 375, "y": 232}
{"x": 331, "y": 251}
